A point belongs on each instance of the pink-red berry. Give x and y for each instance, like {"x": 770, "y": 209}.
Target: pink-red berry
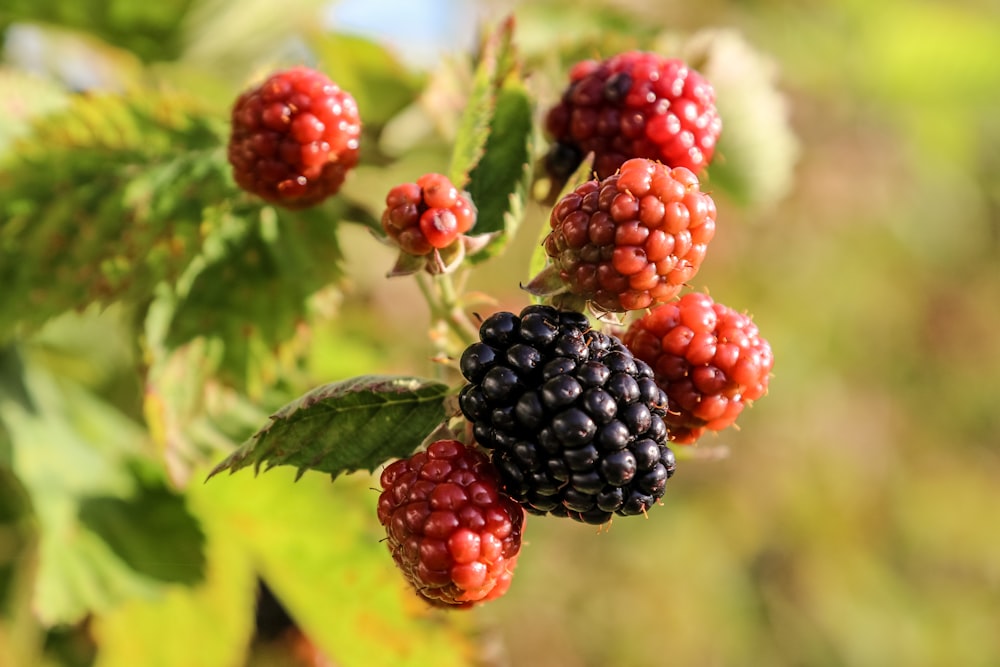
{"x": 633, "y": 239}
{"x": 294, "y": 138}
{"x": 450, "y": 530}
{"x": 634, "y": 104}
{"x": 428, "y": 214}
{"x": 709, "y": 359}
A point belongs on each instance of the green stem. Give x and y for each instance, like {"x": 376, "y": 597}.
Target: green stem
{"x": 443, "y": 301}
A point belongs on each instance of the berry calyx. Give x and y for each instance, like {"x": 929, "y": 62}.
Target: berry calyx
{"x": 629, "y": 241}
{"x": 634, "y": 104}
{"x": 709, "y": 359}
{"x": 428, "y": 214}
{"x": 574, "y": 422}
{"x": 294, "y": 138}
{"x": 450, "y": 530}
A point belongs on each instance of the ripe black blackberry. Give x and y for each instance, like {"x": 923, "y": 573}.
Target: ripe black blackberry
{"x": 574, "y": 422}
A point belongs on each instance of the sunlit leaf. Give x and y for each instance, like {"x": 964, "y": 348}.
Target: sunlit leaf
{"x": 67, "y": 446}
{"x": 210, "y": 624}
{"x": 318, "y": 546}
{"x": 107, "y": 198}
{"x": 474, "y": 127}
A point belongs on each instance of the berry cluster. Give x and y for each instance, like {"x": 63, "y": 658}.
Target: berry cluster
{"x": 452, "y": 533}
{"x": 630, "y": 240}
{"x": 428, "y": 214}
{"x": 634, "y": 104}
{"x": 710, "y": 360}
{"x": 574, "y": 422}
{"x": 567, "y": 420}
{"x": 294, "y": 138}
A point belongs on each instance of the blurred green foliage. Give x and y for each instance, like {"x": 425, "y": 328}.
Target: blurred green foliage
{"x": 850, "y": 521}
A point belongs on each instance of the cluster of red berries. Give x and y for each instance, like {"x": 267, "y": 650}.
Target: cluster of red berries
{"x": 567, "y": 421}
{"x": 634, "y": 104}
{"x": 428, "y": 214}
{"x": 294, "y": 138}
{"x": 450, "y": 530}
{"x": 709, "y": 358}
{"x": 630, "y": 240}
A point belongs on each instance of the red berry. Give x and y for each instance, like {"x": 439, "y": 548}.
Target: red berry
{"x": 709, "y": 359}
{"x": 294, "y": 138}
{"x": 634, "y": 104}
{"x": 633, "y": 239}
{"x": 455, "y": 537}
{"x": 428, "y": 214}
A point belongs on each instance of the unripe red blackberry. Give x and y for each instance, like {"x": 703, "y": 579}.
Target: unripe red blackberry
{"x": 634, "y": 104}
{"x": 294, "y": 138}
{"x": 428, "y": 214}
{"x": 574, "y": 422}
{"x": 708, "y": 358}
{"x": 455, "y": 537}
{"x": 628, "y": 241}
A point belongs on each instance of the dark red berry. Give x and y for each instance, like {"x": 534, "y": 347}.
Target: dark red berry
{"x": 634, "y": 104}
{"x": 294, "y": 138}
{"x": 428, "y": 214}
{"x": 451, "y": 531}
{"x": 633, "y": 239}
{"x": 709, "y": 359}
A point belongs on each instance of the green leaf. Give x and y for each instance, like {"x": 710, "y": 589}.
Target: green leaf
{"x": 373, "y": 75}
{"x": 319, "y": 548}
{"x": 107, "y": 198}
{"x": 153, "y": 30}
{"x": 357, "y": 424}
{"x": 500, "y": 182}
{"x": 492, "y": 68}
{"x": 250, "y": 288}
{"x": 151, "y": 531}
{"x": 210, "y": 624}
{"x": 69, "y": 445}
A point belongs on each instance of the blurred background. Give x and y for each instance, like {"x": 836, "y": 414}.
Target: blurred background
{"x": 850, "y": 520}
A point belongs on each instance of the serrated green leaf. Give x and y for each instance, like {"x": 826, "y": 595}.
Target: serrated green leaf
{"x": 319, "y": 548}
{"x": 474, "y": 128}
{"x": 250, "y": 288}
{"x": 107, "y": 198}
{"x": 500, "y": 182}
{"x": 357, "y": 424}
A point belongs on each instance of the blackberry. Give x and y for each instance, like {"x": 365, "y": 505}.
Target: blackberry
{"x": 451, "y": 532}
{"x": 628, "y": 241}
{"x": 294, "y": 138}
{"x": 634, "y": 104}
{"x": 709, "y": 359}
{"x": 574, "y": 422}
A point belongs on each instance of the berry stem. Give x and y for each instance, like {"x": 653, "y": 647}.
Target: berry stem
{"x": 441, "y": 296}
